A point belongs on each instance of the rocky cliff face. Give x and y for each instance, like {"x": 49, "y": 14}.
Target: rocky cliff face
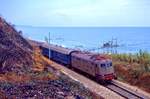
{"x": 15, "y": 51}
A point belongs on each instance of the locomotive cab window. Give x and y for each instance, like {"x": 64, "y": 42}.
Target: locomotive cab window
{"x": 109, "y": 64}
{"x": 103, "y": 65}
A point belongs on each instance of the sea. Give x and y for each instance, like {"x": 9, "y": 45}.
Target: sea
{"x": 127, "y": 39}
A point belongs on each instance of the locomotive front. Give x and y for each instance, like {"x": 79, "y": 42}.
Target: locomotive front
{"x": 105, "y": 69}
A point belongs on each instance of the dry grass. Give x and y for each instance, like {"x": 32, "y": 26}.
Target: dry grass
{"x": 40, "y": 67}
{"x": 141, "y": 58}
{"x": 2, "y": 95}
{"x": 38, "y": 71}
{"x": 133, "y": 68}
{"x": 14, "y": 78}
{"x": 39, "y": 63}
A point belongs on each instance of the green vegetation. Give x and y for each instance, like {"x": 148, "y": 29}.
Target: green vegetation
{"x": 133, "y": 68}
{"x": 142, "y": 58}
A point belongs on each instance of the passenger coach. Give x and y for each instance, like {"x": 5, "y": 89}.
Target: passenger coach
{"x": 57, "y": 53}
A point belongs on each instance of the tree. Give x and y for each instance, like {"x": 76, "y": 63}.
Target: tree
{"x": 46, "y": 39}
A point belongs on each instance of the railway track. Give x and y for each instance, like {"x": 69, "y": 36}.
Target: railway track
{"x": 125, "y": 92}
{"x": 113, "y": 86}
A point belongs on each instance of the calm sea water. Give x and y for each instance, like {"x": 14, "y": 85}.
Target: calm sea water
{"x": 129, "y": 39}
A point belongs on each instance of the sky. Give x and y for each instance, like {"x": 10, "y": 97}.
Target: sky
{"x": 76, "y": 12}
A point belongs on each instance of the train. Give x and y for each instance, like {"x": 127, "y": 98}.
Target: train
{"x": 98, "y": 66}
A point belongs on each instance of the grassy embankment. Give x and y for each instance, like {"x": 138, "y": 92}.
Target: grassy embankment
{"x": 37, "y": 71}
{"x": 133, "y": 68}
{"x": 39, "y": 75}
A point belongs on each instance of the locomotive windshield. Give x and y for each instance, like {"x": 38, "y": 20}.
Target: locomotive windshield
{"x": 104, "y": 65}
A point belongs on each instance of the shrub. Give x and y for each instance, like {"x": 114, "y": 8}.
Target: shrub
{"x": 133, "y": 68}
{"x": 142, "y": 58}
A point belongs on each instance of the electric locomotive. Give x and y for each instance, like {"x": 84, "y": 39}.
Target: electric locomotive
{"x": 95, "y": 65}
{"x": 98, "y": 66}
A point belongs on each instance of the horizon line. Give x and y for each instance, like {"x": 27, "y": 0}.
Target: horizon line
{"x": 130, "y": 26}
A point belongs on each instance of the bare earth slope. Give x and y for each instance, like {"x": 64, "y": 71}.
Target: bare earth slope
{"x": 15, "y": 51}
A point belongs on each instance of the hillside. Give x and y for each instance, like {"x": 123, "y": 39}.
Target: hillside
{"x": 25, "y": 73}
{"x": 15, "y": 51}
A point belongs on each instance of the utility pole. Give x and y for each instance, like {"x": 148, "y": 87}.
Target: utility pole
{"x": 49, "y": 45}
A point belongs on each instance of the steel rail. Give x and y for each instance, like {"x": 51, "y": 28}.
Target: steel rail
{"x": 124, "y": 92}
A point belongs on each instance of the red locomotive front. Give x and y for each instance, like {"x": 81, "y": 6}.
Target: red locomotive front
{"x": 98, "y": 66}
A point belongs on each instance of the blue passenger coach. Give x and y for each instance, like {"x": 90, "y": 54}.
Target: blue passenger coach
{"x": 58, "y": 53}
{"x": 45, "y": 51}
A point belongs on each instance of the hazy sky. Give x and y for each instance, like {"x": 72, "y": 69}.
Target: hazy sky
{"x": 76, "y": 12}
